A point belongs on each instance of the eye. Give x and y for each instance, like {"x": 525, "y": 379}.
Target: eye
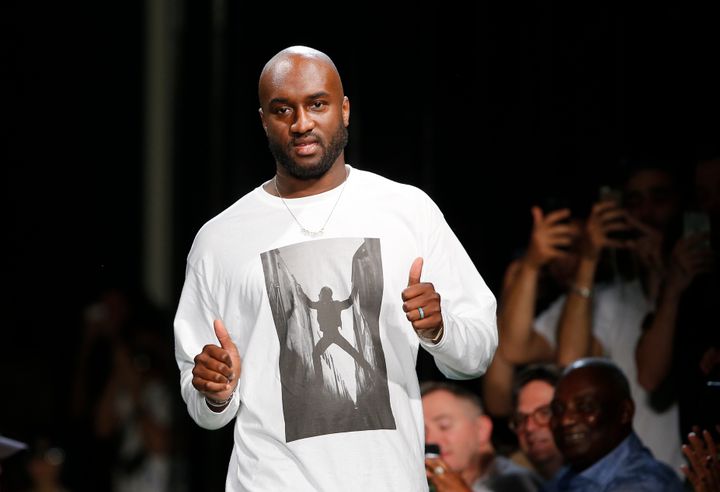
{"x": 317, "y": 105}
{"x": 557, "y": 408}
{"x": 544, "y": 412}
{"x": 281, "y": 110}
{"x": 587, "y": 406}
{"x": 445, "y": 424}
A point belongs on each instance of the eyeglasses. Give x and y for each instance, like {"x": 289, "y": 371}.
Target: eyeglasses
{"x": 541, "y": 416}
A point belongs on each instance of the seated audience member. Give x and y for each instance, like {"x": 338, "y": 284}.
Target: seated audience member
{"x": 467, "y": 461}
{"x": 533, "y": 392}
{"x": 592, "y": 424}
{"x": 703, "y": 469}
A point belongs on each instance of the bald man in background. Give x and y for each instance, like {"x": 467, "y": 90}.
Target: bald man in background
{"x": 592, "y": 415}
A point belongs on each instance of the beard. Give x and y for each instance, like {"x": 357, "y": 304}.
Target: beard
{"x": 329, "y": 155}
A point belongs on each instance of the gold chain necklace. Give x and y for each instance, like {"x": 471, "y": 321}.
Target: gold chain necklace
{"x": 304, "y": 229}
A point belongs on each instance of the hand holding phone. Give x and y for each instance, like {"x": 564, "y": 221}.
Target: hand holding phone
{"x": 610, "y": 194}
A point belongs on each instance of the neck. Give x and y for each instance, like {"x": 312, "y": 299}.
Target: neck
{"x": 291, "y": 187}
{"x": 482, "y": 465}
{"x": 548, "y": 469}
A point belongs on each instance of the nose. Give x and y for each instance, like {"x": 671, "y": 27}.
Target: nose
{"x": 303, "y": 122}
{"x": 567, "y": 418}
{"x": 530, "y": 424}
{"x": 435, "y": 437}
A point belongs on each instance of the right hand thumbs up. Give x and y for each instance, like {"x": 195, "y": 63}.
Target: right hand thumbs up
{"x": 217, "y": 369}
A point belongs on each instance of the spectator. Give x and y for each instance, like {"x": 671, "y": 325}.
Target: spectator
{"x": 681, "y": 340}
{"x": 533, "y": 392}
{"x": 703, "y": 469}
{"x": 592, "y": 423}
{"x": 454, "y": 420}
{"x": 531, "y": 284}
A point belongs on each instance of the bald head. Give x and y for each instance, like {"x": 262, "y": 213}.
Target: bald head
{"x": 602, "y": 372}
{"x": 304, "y": 113}
{"x": 289, "y": 59}
{"x": 592, "y": 411}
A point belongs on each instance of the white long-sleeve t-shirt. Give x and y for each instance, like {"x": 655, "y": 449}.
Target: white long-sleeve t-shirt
{"x": 328, "y": 398}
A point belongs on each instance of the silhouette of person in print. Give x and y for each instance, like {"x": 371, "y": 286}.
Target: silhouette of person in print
{"x": 330, "y": 323}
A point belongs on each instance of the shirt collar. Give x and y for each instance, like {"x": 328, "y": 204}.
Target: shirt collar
{"x": 606, "y": 468}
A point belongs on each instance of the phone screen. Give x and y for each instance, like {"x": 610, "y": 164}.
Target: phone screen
{"x": 432, "y": 450}
{"x": 695, "y": 223}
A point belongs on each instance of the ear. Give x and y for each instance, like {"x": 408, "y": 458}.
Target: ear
{"x": 627, "y": 411}
{"x": 262, "y": 120}
{"x": 346, "y": 111}
{"x": 484, "y": 428}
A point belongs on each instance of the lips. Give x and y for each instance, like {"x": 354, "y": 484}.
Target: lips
{"x": 305, "y": 146}
{"x": 574, "y": 438}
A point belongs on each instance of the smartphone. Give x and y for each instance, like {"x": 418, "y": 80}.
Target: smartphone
{"x": 432, "y": 450}
{"x": 694, "y": 223}
{"x": 608, "y": 193}
{"x": 551, "y": 203}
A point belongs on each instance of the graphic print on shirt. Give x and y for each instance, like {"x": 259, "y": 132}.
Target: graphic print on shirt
{"x": 325, "y": 297}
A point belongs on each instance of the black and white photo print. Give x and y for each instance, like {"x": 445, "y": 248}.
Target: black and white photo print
{"x": 325, "y": 297}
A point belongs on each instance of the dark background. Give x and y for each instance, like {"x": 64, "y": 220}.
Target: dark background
{"x": 489, "y": 108}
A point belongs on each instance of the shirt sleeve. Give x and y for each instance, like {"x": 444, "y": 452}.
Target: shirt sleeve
{"x": 193, "y": 328}
{"x": 468, "y": 306}
{"x": 546, "y": 323}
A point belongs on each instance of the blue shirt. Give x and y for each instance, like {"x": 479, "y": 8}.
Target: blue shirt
{"x": 503, "y": 475}
{"x": 630, "y": 467}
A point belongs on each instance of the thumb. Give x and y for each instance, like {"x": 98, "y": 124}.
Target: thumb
{"x": 415, "y": 271}
{"x": 222, "y": 335}
{"x": 537, "y": 215}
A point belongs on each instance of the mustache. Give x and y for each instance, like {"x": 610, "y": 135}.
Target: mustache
{"x": 305, "y": 138}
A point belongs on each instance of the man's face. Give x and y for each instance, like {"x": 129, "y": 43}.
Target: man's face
{"x": 586, "y": 420}
{"x": 305, "y": 115}
{"x": 651, "y": 197}
{"x": 458, "y": 427}
{"x": 535, "y": 439}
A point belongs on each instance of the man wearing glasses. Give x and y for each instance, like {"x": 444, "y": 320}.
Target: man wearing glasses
{"x": 533, "y": 391}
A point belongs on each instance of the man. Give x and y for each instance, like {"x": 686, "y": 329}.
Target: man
{"x": 454, "y": 420}
{"x": 245, "y": 336}
{"x": 592, "y": 424}
{"x": 682, "y": 341}
{"x": 533, "y": 392}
